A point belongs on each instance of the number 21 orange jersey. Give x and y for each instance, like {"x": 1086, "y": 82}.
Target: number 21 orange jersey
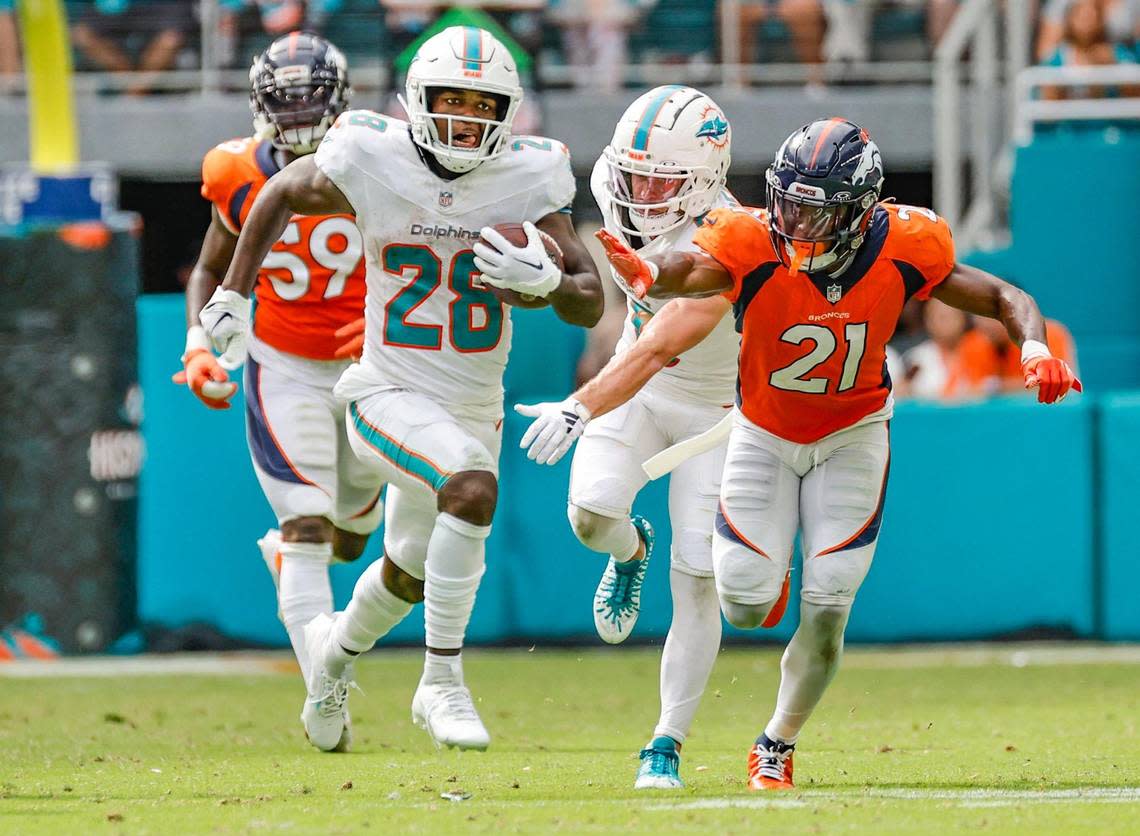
{"x": 312, "y": 281}
{"x": 813, "y": 347}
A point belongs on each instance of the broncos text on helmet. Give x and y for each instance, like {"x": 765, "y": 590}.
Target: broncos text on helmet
{"x": 298, "y": 87}
{"x": 668, "y": 160}
{"x": 822, "y": 190}
{"x": 462, "y": 58}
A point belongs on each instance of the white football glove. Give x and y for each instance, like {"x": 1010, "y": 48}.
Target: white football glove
{"x": 528, "y": 269}
{"x": 226, "y": 320}
{"x": 555, "y": 429}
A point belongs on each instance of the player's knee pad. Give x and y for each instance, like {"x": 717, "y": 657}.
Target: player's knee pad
{"x": 744, "y": 576}
{"x": 692, "y": 552}
{"x": 608, "y": 535}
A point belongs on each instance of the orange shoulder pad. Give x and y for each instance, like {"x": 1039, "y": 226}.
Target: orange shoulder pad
{"x": 921, "y": 238}
{"x": 231, "y": 177}
{"x": 738, "y": 238}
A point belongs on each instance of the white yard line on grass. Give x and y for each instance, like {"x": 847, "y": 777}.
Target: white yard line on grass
{"x": 866, "y": 657}
{"x": 214, "y": 664}
{"x": 958, "y": 798}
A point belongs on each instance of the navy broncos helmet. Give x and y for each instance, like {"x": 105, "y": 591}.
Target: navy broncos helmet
{"x": 822, "y": 190}
{"x": 298, "y": 87}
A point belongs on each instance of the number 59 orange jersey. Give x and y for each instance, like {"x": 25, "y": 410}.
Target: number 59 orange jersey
{"x": 813, "y": 347}
{"x": 312, "y": 281}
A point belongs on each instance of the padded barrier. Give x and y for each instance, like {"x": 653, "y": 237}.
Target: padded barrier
{"x": 962, "y": 554}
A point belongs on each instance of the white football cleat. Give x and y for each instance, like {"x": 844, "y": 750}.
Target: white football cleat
{"x": 325, "y": 712}
{"x": 270, "y": 546}
{"x": 448, "y": 714}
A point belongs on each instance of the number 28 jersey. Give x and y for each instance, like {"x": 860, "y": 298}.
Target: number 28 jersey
{"x": 312, "y": 281}
{"x": 813, "y": 350}
{"x": 430, "y": 326}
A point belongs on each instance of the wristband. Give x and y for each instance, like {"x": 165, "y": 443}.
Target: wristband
{"x": 196, "y": 338}
{"x": 1033, "y": 350}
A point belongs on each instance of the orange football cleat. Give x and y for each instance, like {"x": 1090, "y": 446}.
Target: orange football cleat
{"x": 770, "y": 765}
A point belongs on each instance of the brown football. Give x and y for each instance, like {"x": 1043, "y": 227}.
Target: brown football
{"x": 517, "y": 236}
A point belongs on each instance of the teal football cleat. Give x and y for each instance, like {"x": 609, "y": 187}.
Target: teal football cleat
{"x": 660, "y": 766}
{"x": 617, "y": 600}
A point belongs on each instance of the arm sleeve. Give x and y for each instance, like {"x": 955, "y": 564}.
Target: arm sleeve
{"x": 736, "y": 238}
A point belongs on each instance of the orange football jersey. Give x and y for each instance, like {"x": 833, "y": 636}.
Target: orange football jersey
{"x": 813, "y": 348}
{"x": 312, "y": 281}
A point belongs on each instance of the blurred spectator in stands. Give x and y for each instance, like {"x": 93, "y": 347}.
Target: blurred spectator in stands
{"x": 125, "y": 36}
{"x": 991, "y": 363}
{"x": 1084, "y": 43}
{"x": 595, "y": 36}
{"x": 805, "y": 22}
{"x": 1121, "y": 20}
{"x": 939, "y": 16}
{"x": 849, "y": 24}
{"x": 10, "y": 65}
{"x": 932, "y": 370}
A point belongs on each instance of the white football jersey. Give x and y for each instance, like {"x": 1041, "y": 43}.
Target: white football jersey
{"x": 707, "y": 371}
{"x": 428, "y": 327}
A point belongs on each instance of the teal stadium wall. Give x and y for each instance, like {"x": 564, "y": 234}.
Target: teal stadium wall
{"x": 990, "y": 525}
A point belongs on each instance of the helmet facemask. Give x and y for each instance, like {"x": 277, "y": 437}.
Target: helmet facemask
{"x": 295, "y": 105}
{"x": 657, "y": 198}
{"x": 459, "y": 159}
{"x": 812, "y": 231}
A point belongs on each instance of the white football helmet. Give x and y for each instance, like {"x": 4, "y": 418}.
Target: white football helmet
{"x": 463, "y": 58}
{"x": 668, "y": 160}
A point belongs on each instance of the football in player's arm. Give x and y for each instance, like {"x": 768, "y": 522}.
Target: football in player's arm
{"x": 301, "y": 188}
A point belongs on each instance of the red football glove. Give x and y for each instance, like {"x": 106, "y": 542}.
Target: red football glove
{"x": 635, "y": 270}
{"x": 1051, "y": 377}
{"x": 354, "y": 333}
{"x": 206, "y": 379}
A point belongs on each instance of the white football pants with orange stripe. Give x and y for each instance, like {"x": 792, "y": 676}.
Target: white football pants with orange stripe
{"x": 299, "y": 443}
{"x": 830, "y": 490}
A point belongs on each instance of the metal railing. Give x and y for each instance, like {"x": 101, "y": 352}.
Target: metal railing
{"x": 1030, "y": 109}
{"x": 972, "y": 52}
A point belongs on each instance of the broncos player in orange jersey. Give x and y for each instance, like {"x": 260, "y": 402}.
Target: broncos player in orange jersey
{"x": 310, "y": 285}
{"x": 816, "y": 287}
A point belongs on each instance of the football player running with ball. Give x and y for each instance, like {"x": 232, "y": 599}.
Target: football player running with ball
{"x": 308, "y": 286}
{"x": 664, "y": 169}
{"x": 817, "y": 284}
{"x": 425, "y": 403}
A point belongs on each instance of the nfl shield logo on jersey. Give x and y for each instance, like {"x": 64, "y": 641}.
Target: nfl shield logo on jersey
{"x": 446, "y": 199}
{"x": 834, "y": 291}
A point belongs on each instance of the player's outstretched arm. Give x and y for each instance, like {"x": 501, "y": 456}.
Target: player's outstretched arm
{"x": 690, "y": 274}
{"x": 672, "y": 331}
{"x": 298, "y": 189}
{"x": 200, "y": 369}
{"x": 578, "y": 299}
{"x": 983, "y": 294}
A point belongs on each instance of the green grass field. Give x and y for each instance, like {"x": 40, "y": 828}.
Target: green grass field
{"x": 905, "y": 741}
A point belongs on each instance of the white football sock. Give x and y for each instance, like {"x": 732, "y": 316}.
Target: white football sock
{"x": 442, "y": 670}
{"x": 373, "y": 611}
{"x": 608, "y": 535}
{"x": 810, "y": 662}
{"x": 690, "y": 652}
{"x": 305, "y": 591}
{"x": 452, "y": 571}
